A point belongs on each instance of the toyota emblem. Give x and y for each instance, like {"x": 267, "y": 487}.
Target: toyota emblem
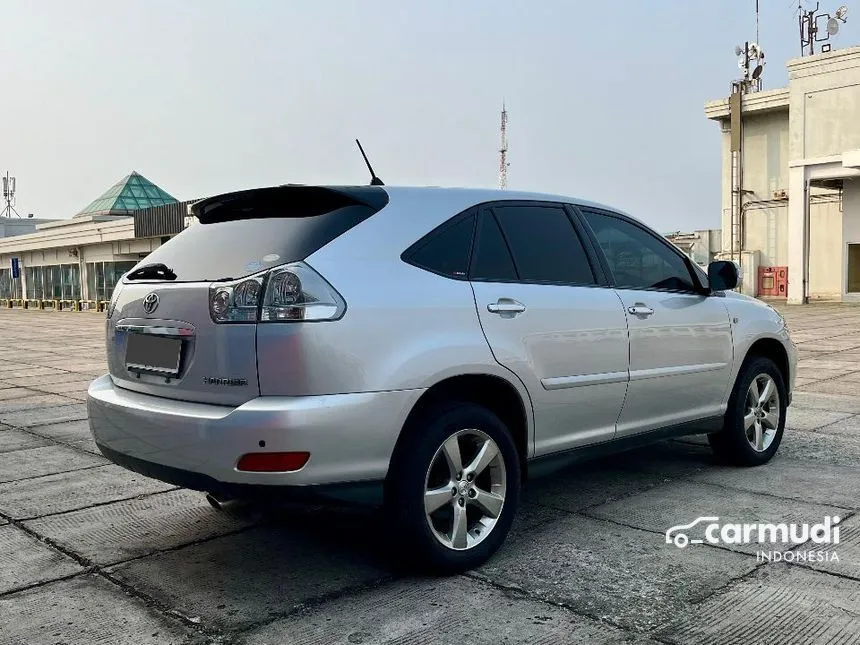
{"x": 150, "y": 303}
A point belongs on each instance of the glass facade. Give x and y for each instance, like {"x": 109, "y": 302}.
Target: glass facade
{"x": 103, "y": 276}
{"x": 53, "y": 282}
{"x": 9, "y": 288}
{"x": 130, "y": 193}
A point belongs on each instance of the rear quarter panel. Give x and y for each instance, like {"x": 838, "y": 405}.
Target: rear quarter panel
{"x": 404, "y": 328}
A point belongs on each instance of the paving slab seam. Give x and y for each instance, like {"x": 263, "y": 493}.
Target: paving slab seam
{"x": 662, "y": 533}
{"x": 44, "y": 583}
{"x": 68, "y": 444}
{"x": 668, "y": 479}
{"x": 59, "y": 472}
{"x": 721, "y": 547}
{"x": 81, "y": 560}
{"x": 179, "y": 547}
{"x": 692, "y": 479}
{"x": 797, "y": 389}
{"x": 70, "y": 400}
{"x": 313, "y": 603}
{"x": 37, "y": 366}
{"x": 515, "y": 590}
{"x": 149, "y": 601}
{"x": 826, "y": 572}
{"x": 94, "y": 504}
{"x": 833, "y": 423}
{"x": 62, "y": 394}
{"x": 92, "y": 568}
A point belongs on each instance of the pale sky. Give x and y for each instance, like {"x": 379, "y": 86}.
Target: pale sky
{"x": 605, "y": 100}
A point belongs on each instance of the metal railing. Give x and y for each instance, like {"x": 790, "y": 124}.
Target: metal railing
{"x": 54, "y": 304}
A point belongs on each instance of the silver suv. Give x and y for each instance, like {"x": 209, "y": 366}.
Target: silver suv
{"x": 427, "y": 349}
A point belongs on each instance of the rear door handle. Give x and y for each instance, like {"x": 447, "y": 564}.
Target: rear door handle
{"x": 506, "y": 306}
{"x": 640, "y": 310}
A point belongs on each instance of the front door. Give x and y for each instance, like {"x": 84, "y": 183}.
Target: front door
{"x": 680, "y": 340}
{"x": 547, "y": 318}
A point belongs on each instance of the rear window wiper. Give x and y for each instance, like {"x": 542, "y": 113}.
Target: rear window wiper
{"x": 155, "y": 271}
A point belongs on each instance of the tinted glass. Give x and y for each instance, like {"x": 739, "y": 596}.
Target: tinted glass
{"x": 638, "y": 259}
{"x": 447, "y": 252}
{"x": 544, "y": 244}
{"x": 236, "y": 248}
{"x": 491, "y": 260}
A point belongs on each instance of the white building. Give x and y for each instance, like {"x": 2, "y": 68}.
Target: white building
{"x": 83, "y": 257}
{"x": 798, "y": 212}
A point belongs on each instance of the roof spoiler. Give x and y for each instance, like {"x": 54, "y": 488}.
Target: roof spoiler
{"x": 285, "y": 201}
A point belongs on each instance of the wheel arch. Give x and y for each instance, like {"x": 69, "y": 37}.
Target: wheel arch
{"x": 497, "y": 393}
{"x": 774, "y": 350}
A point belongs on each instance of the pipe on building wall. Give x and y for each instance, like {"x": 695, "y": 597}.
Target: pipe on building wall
{"x": 806, "y": 242}
{"x": 82, "y": 283}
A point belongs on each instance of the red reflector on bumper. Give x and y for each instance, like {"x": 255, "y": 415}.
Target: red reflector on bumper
{"x": 273, "y": 462}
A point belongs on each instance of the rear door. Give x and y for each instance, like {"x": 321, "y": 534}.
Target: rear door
{"x": 549, "y": 318}
{"x": 680, "y": 339}
{"x": 162, "y": 338}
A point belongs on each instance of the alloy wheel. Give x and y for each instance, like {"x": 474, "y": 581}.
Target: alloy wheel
{"x": 464, "y": 489}
{"x": 761, "y": 412}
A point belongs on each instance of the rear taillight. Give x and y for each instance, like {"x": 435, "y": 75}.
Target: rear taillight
{"x": 113, "y": 298}
{"x": 293, "y": 292}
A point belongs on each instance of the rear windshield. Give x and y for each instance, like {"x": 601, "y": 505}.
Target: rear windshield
{"x": 240, "y": 247}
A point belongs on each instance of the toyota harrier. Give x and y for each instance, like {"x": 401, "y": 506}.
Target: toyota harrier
{"x": 427, "y": 349}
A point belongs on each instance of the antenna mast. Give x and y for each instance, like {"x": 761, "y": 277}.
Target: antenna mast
{"x": 808, "y": 22}
{"x": 9, "y": 196}
{"x": 757, "y": 38}
{"x": 503, "y": 151}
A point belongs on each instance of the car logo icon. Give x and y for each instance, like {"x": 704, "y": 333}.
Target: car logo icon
{"x": 678, "y": 535}
{"x": 150, "y": 303}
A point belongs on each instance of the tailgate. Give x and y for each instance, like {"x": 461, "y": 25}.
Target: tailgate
{"x": 175, "y": 350}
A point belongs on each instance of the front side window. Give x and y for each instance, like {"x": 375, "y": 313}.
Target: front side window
{"x": 638, "y": 259}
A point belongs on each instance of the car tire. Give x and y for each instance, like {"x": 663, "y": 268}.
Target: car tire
{"x": 753, "y": 425}
{"x": 461, "y": 533}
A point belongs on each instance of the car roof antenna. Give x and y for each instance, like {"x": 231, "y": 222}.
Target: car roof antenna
{"x": 374, "y": 180}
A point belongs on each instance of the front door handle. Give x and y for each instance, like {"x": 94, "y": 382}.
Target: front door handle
{"x": 640, "y": 310}
{"x": 506, "y": 307}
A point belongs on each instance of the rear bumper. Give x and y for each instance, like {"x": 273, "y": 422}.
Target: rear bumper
{"x": 350, "y": 436}
{"x": 364, "y": 492}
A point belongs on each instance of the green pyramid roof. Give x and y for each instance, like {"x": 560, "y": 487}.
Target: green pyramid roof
{"x": 130, "y": 193}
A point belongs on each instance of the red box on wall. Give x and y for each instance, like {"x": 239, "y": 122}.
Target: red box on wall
{"x": 773, "y": 282}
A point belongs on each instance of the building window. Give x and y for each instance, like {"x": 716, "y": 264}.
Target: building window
{"x": 53, "y": 282}
{"x": 34, "y": 282}
{"x": 102, "y": 277}
{"x": 9, "y": 287}
{"x": 854, "y": 268}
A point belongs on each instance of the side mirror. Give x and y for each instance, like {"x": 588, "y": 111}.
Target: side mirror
{"x": 723, "y": 275}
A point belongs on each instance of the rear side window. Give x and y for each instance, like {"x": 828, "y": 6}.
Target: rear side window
{"x": 492, "y": 259}
{"x": 544, "y": 244}
{"x": 260, "y": 230}
{"x": 447, "y": 250}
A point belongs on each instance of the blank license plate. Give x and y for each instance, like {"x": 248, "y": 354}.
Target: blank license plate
{"x": 148, "y": 353}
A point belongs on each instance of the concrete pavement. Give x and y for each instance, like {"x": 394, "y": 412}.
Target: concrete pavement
{"x": 92, "y": 552}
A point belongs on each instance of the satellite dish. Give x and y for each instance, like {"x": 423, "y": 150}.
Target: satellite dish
{"x": 841, "y": 12}
{"x": 738, "y": 50}
{"x": 755, "y": 50}
{"x": 757, "y": 71}
{"x": 832, "y": 26}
